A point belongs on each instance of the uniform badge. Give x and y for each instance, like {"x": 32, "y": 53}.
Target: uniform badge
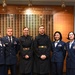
{"x": 64, "y": 48}
{"x": 59, "y": 45}
{"x": 73, "y": 47}
{"x": 4, "y": 45}
{"x": 15, "y": 42}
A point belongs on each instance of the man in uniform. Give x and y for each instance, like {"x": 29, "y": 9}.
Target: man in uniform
{"x": 12, "y": 47}
{"x": 2, "y": 57}
{"x": 42, "y": 45}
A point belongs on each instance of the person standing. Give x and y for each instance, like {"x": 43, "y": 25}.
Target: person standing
{"x": 2, "y": 57}
{"x": 58, "y": 54}
{"x": 12, "y": 47}
{"x": 70, "y": 60}
{"x": 26, "y": 53}
{"x": 42, "y": 47}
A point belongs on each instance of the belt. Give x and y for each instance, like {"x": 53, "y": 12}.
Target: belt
{"x": 42, "y": 46}
{"x": 26, "y": 49}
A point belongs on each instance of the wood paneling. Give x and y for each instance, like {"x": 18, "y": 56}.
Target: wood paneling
{"x": 64, "y": 22}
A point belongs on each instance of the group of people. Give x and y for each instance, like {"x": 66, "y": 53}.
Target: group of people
{"x": 39, "y": 56}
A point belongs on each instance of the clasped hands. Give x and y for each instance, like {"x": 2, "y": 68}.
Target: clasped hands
{"x": 26, "y": 56}
{"x": 43, "y": 57}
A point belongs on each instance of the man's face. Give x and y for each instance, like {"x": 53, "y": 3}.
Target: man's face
{"x": 41, "y": 30}
{"x": 9, "y": 32}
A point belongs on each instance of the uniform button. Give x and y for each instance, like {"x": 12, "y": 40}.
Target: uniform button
{"x": 10, "y": 53}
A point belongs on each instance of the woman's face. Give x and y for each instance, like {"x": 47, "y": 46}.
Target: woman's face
{"x": 71, "y": 36}
{"x": 57, "y": 36}
{"x": 26, "y": 31}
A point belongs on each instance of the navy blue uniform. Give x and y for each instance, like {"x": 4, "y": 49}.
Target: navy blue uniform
{"x": 2, "y": 57}
{"x": 10, "y": 54}
{"x": 26, "y": 48}
{"x": 58, "y": 55}
{"x": 42, "y": 46}
{"x": 71, "y": 59}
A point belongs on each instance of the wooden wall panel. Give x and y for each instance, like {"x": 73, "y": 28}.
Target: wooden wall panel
{"x": 64, "y": 22}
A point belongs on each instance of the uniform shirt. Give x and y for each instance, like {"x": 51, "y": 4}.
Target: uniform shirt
{"x": 2, "y": 52}
{"x": 70, "y": 44}
{"x": 56, "y": 42}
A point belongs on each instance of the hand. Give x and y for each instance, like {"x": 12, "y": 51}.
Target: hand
{"x": 26, "y": 56}
{"x": 43, "y": 57}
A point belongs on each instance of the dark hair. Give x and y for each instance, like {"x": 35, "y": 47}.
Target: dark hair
{"x": 59, "y": 34}
{"x": 41, "y": 26}
{"x": 69, "y": 33}
{"x": 25, "y": 27}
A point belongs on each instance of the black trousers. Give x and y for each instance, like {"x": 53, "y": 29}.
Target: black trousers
{"x": 42, "y": 74}
{"x": 2, "y": 69}
{"x": 26, "y": 74}
{"x": 12, "y": 69}
{"x": 70, "y": 71}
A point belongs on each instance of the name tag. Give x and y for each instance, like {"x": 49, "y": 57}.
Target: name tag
{"x": 15, "y": 42}
{"x": 4, "y": 45}
{"x": 73, "y": 47}
{"x": 59, "y": 45}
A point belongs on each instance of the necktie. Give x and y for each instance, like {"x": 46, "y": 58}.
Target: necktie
{"x": 10, "y": 39}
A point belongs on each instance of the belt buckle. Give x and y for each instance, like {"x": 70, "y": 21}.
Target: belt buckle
{"x": 25, "y": 49}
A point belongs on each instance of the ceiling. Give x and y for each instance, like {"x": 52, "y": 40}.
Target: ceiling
{"x": 40, "y": 2}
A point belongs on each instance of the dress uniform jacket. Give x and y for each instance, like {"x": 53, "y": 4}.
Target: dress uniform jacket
{"x": 57, "y": 59}
{"x": 2, "y": 52}
{"x": 71, "y": 56}
{"x": 11, "y": 50}
{"x": 71, "y": 59}
{"x": 58, "y": 52}
{"x": 26, "y": 48}
{"x": 42, "y": 66}
{"x": 2, "y": 57}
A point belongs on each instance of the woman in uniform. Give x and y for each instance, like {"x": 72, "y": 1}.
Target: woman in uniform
{"x": 58, "y": 54}
{"x": 26, "y": 53}
{"x": 71, "y": 54}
